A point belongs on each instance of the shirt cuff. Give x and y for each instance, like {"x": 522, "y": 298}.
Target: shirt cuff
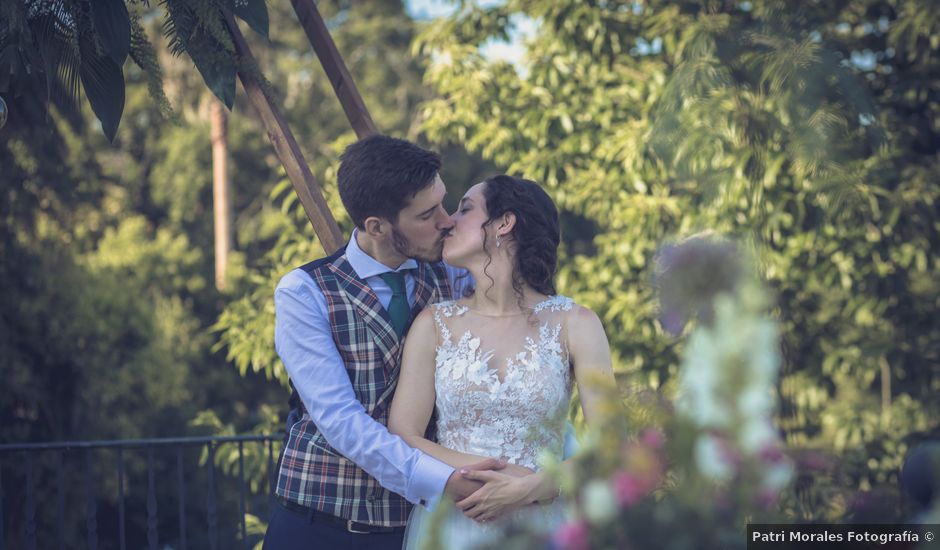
{"x": 428, "y": 481}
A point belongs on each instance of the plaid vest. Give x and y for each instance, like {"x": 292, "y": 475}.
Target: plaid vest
{"x": 314, "y": 474}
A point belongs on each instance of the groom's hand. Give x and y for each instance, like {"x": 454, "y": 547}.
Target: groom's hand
{"x": 459, "y": 487}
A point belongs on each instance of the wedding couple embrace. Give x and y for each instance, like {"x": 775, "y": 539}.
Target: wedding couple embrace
{"x": 463, "y": 407}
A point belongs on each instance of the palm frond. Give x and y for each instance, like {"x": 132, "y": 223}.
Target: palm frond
{"x": 179, "y": 25}
{"x": 144, "y": 56}
{"x": 211, "y": 18}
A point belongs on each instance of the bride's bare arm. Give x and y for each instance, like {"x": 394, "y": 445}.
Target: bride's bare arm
{"x": 414, "y": 397}
{"x": 590, "y": 357}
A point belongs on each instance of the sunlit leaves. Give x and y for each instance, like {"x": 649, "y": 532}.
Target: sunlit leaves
{"x": 746, "y": 121}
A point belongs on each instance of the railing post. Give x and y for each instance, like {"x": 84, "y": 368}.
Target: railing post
{"x": 121, "y": 530}
{"x": 181, "y": 486}
{"x": 30, "y": 528}
{"x": 210, "y": 501}
{"x": 60, "y": 507}
{"x": 151, "y": 502}
{"x": 241, "y": 492}
{"x": 91, "y": 505}
{"x": 272, "y": 478}
{"x": 2, "y": 546}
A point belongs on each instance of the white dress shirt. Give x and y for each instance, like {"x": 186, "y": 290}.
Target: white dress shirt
{"x": 303, "y": 339}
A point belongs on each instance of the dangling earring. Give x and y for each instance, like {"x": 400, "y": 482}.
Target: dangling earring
{"x": 497, "y": 241}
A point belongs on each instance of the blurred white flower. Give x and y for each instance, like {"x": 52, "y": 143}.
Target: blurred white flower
{"x": 755, "y": 401}
{"x": 778, "y": 475}
{"x": 600, "y": 503}
{"x": 699, "y": 381}
{"x": 729, "y": 366}
{"x": 712, "y": 461}
{"x": 756, "y": 434}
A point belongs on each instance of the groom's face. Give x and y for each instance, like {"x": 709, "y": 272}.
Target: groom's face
{"x": 419, "y": 231}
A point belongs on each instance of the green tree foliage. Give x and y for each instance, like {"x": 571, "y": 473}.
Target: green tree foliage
{"x": 375, "y": 40}
{"x": 808, "y": 131}
{"x": 106, "y": 279}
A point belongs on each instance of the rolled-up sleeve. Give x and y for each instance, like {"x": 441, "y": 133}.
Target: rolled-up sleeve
{"x": 303, "y": 340}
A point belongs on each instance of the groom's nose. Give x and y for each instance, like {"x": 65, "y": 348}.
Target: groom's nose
{"x": 444, "y": 221}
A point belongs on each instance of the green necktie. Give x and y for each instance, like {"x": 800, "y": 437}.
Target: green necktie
{"x": 398, "y": 308}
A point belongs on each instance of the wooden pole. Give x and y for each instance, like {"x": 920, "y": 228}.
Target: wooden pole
{"x": 332, "y": 61}
{"x": 287, "y": 150}
{"x": 222, "y": 212}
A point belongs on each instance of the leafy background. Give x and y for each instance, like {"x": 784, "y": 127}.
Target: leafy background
{"x": 810, "y": 133}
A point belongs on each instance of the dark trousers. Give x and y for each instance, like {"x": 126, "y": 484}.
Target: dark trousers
{"x": 292, "y": 530}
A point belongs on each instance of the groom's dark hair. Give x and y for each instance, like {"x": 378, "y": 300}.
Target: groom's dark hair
{"x": 379, "y": 175}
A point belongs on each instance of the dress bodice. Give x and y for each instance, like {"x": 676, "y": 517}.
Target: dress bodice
{"x": 503, "y": 384}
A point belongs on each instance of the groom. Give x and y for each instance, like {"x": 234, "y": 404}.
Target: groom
{"x": 344, "y": 480}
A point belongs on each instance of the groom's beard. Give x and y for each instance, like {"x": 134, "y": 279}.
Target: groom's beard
{"x": 404, "y": 247}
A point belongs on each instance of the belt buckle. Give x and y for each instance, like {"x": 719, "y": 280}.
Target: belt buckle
{"x": 349, "y": 527}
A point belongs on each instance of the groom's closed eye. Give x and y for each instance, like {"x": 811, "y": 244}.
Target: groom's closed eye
{"x": 428, "y": 214}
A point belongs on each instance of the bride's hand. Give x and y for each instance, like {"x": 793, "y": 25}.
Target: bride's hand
{"x": 501, "y": 494}
{"x": 514, "y": 470}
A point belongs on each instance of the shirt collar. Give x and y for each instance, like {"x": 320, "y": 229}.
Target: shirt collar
{"x": 366, "y": 266}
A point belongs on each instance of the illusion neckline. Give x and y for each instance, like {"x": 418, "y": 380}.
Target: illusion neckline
{"x": 525, "y": 311}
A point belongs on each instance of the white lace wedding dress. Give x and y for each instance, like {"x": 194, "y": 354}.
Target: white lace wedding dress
{"x": 503, "y": 386}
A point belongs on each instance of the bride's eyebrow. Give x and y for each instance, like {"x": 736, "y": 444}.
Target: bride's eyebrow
{"x": 465, "y": 199}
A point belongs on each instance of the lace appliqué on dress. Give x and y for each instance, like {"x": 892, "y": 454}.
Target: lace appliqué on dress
{"x": 554, "y": 303}
{"x": 515, "y": 417}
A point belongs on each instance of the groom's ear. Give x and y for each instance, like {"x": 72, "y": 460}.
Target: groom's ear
{"x": 375, "y": 226}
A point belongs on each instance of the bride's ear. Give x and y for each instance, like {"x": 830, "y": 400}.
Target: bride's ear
{"x": 506, "y": 223}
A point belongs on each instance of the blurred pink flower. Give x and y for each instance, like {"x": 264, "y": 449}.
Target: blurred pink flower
{"x": 653, "y": 438}
{"x": 573, "y": 535}
{"x": 771, "y": 453}
{"x": 766, "y": 498}
{"x": 813, "y": 461}
{"x": 690, "y": 274}
{"x": 672, "y": 320}
{"x": 629, "y": 488}
{"x": 730, "y": 455}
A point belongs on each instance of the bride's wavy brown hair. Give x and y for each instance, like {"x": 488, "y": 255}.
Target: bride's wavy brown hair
{"x": 536, "y": 234}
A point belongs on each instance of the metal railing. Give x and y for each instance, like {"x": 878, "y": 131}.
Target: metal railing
{"x": 31, "y": 456}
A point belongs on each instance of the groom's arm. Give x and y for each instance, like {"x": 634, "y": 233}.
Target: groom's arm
{"x": 304, "y": 342}
{"x": 460, "y": 280}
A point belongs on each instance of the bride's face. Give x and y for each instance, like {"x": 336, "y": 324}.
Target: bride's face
{"x": 465, "y": 240}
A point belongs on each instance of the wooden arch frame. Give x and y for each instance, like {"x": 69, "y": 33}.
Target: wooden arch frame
{"x": 285, "y": 146}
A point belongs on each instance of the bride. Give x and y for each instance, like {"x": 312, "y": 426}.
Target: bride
{"x": 499, "y": 365}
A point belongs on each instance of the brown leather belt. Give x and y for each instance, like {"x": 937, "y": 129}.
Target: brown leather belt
{"x": 347, "y": 524}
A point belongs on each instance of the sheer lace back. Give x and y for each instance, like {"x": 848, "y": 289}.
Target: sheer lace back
{"x": 503, "y": 383}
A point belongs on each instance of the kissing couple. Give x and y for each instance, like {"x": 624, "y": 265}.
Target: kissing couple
{"x": 430, "y": 357}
